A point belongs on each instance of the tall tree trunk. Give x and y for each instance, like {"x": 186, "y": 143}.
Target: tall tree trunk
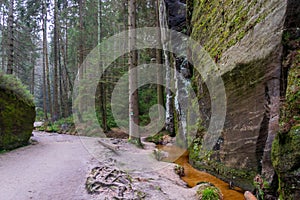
{"x": 169, "y": 121}
{"x": 45, "y": 53}
{"x": 102, "y": 82}
{"x": 133, "y": 92}
{"x": 65, "y": 80}
{"x": 44, "y": 91}
{"x": 10, "y": 61}
{"x": 159, "y": 61}
{"x": 80, "y": 57}
{"x": 55, "y": 115}
{"x": 32, "y": 74}
{"x": 2, "y": 40}
{"x": 80, "y": 50}
{"x": 61, "y": 81}
{"x": 65, "y": 77}
{"x": 68, "y": 84}
{"x": 44, "y": 17}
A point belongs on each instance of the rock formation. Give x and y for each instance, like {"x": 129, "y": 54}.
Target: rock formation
{"x": 17, "y": 113}
{"x": 247, "y": 40}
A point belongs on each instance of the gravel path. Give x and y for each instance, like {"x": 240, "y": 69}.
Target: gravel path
{"x": 55, "y": 168}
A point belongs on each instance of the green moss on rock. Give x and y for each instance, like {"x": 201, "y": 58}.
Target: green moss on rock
{"x": 286, "y": 161}
{"x": 286, "y": 146}
{"x": 220, "y": 25}
{"x": 204, "y": 161}
{"x": 290, "y": 112}
{"x": 17, "y": 113}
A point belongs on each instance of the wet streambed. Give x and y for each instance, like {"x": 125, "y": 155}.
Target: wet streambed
{"x": 193, "y": 176}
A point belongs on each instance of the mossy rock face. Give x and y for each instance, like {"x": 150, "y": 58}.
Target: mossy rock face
{"x": 286, "y": 161}
{"x": 244, "y": 38}
{"x": 17, "y": 113}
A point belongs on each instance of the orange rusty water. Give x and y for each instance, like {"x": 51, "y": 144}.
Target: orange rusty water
{"x": 193, "y": 176}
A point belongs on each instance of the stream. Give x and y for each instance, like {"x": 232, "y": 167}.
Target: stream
{"x": 193, "y": 176}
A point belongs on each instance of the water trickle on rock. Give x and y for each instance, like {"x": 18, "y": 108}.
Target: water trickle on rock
{"x": 178, "y": 82}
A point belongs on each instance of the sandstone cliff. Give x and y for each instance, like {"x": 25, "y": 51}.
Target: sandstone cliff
{"x": 247, "y": 40}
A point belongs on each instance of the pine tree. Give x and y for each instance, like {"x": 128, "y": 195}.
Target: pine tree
{"x": 133, "y": 92}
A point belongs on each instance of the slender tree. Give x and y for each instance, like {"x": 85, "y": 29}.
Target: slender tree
{"x": 45, "y": 60}
{"x": 55, "y": 115}
{"x": 32, "y": 60}
{"x": 2, "y": 37}
{"x": 44, "y": 27}
{"x": 159, "y": 61}
{"x": 102, "y": 82}
{"x": 10, "y": 61}
{"x": 133, "y": 92}
{"x": 81, "y": 29}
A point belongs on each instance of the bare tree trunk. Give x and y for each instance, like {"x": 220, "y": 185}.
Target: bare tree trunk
{"x": 68, "y": 85}
{"x": 80, "y": 56}
{"x": 32, "y": 74}
{"x": 55, "y": 115}
{"x": 102, "y": 82}
{"x": 10, "y": 61}
{"x": 2, "y": 41}
{"x": 80, "y": 50}
{"x": 65, "y": 80}
{"x": 44, "y": 17}
{"x": 62, "y": 77}
{"x": 133, "y": 92}
{"x": 159, "y": 61}
{"x": 45, "y": 53}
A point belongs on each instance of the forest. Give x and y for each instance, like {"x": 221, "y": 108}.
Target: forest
{"x": 150, "y": 99}
{"x": 44, "y": 43}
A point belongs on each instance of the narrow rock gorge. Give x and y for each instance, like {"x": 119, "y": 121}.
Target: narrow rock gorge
{"x": 256, "y": 47}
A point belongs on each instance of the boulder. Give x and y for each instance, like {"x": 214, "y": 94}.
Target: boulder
{"x": 17, "y": 113}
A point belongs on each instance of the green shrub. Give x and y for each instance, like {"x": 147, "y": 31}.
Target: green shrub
{"x": 210, "y": 194}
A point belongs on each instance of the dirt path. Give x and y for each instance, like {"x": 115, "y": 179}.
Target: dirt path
{"x": 54, "y": 168}
{"x": 58, "y": 165}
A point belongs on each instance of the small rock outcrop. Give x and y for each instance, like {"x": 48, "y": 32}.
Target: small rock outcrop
{"x": 17, "y": 113}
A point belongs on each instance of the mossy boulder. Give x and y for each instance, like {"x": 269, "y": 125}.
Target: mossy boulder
{"x": 17, "y": 113}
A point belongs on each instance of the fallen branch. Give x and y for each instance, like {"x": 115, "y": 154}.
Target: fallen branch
{"x": 110, "y": 147}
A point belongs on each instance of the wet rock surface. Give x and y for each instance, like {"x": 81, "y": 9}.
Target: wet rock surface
{"x": 177, "y": 14}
